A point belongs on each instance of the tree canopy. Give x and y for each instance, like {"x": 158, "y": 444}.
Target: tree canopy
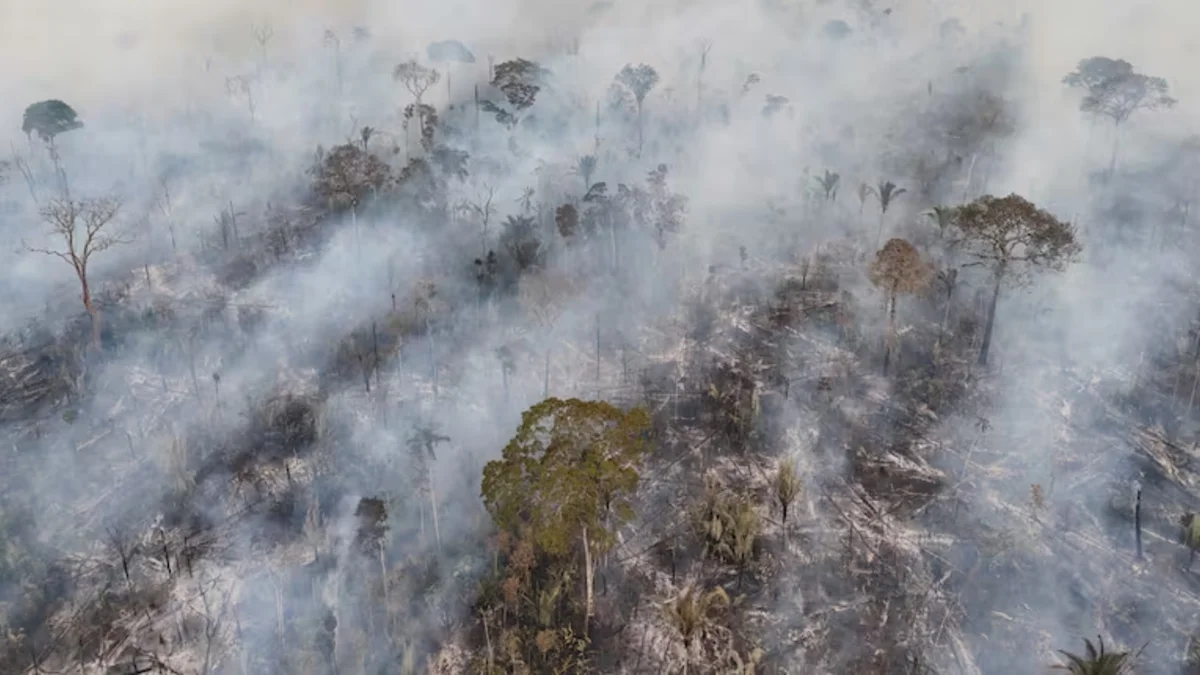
{"x": 50, "y": 118}
{"x": 1115, "y": 90}
{"x": 1011, "y": 234}
{"x": 572, "y": 464}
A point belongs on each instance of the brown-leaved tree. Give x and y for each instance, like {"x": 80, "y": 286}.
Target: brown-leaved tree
{"x": 897, "y": 269}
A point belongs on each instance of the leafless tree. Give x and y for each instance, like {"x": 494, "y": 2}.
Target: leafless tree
{"x": 331, "y": 40}
{"x": 263, "y": 33}
{"x": 483, "y": 209}
{"x": 242, "y": 85}
{"x": 167, "y": 209}
{"x": 83, "y": 225}
{"x": 122, "y": 543}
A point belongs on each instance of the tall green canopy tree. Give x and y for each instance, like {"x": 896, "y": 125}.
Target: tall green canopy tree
{"x": 568, "y": 476}
{"x": 640, "y": 80}
{"x": 1011, "y": 237}
{"x": 1114, "y": 90}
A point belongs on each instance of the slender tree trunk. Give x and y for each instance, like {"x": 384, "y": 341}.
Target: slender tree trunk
{"x": 641, "y": 129}
{"x": 588, "y": 581}
{"x": 437, "y": 532}
{"x": 1112, "y": 162}
{"x": 92, "y": 310}
{"x": 991, "y": 320}
{"x": 970, "y": 173}
{"x": 891, "y": 331}
{"x": 387, "y": 620}
{"x": 1137, "y": 521}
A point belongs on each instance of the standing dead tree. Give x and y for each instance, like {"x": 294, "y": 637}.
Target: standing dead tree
{"x": 262, "y": 36}
{"x": 483, "y": 209}
{"x": 241, "y": 85}
{"x": 83, "y": 225}
{"x": 421, "y": 445}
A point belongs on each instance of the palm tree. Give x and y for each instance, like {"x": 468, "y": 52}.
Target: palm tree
{"x": 787, "y": 488}
{"x": 887, "y": 191}
{"x": 864, "y": 191}
{"x": 744, "y": 527}
{"x": 1097, "y": 661}
{"x": 943, "y": 217}
{"x": 1190, "y": 536}
{"x": 693, "y": 614}
{"x": 585, "y": 168}
{"x": 829, "y": 183}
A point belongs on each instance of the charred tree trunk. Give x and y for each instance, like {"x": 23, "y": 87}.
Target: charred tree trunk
{"x": 1137, "y": 523}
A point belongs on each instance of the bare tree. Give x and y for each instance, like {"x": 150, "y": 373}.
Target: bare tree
{"x": 168, "y": 210}
{"x": 83, "y": 225}
{"x": 262, "y": 36}
{"x": 705, "y": 48}
{"x": 897, "y": 269}
{"x": 331, "y": 40}
{"x": 123, "y": 544}
{"x": 241, "y": 85}
{"x": 214, "y": 612}
{"x": 421, "y": 444}
{"x": 483, "y": 209}
{"x": 1012, "y": 237}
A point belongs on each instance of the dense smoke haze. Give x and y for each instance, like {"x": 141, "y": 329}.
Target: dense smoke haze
{"x": 285, "y": 302}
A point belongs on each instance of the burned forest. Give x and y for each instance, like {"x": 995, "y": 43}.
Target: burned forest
{"x": 758, "y": 337}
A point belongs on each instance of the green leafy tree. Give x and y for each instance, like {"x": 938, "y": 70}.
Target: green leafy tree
{"x": 568, "y": 476}
{"x": 1114, "y": 90}
{"x": 1011, "y": 237}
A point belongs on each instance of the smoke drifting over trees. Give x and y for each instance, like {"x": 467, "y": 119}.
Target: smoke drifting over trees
{"x": 535, "y": 337}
